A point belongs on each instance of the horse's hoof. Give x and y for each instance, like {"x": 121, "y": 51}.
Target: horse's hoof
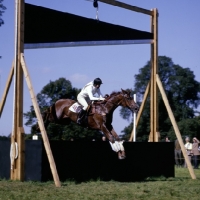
{"x": 121, "y": 155}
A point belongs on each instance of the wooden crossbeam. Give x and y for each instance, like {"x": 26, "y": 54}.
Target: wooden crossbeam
{"x": 127, "y": 6}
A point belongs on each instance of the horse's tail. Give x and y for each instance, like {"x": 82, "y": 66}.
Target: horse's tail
{"x": 45, "y": 117}
{"x": 49, "y": 115}
{"x": 36, "y": 128}
{"x": 52, "y": 111}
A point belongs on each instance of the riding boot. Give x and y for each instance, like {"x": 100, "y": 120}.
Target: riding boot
{"x": 81, "y": 116}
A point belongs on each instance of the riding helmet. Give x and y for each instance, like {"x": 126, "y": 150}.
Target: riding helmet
{"x": 97, "y": 81}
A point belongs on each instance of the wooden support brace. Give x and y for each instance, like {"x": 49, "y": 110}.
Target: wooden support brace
{"x": 41, "y": 124}
{"x": 176, "y": 129}
{"x": 3, "y": 100}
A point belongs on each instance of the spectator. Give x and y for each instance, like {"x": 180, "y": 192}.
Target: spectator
{"x": 167, "y": 139}
{"x": 195, "y": 152}
{"x": 188, "y": 147}
{"x": 178, "y": 154}
{"x": 103, "y": 138}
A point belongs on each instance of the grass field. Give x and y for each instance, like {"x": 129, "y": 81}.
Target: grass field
{"x": 180, "y": 187}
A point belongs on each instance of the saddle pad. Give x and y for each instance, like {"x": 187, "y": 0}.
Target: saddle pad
{"x": 76, "y": 107}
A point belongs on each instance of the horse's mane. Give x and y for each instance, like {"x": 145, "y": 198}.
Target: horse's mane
{"x": 114, "y": 93}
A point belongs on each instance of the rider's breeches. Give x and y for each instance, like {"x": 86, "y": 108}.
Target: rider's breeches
{"x": 83, "y": 102}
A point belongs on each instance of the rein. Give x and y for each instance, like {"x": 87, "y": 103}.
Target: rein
{"x": 115, "y": 104}
{"x": 124, "y": 98}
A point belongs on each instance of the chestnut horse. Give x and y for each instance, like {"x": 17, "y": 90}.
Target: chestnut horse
{"x": 98, "y": 117}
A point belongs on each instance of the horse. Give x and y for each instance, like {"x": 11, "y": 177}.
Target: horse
{"x": 99, "y": 116}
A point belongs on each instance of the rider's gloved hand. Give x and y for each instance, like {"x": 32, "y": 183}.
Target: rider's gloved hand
{"x": 101, "y": 99}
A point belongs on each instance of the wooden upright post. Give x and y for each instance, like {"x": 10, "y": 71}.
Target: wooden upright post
{"x": 154, "y": 89}
{"x": 21, "y": 154}
{"x": 18, "y": 89}
{"x": 17, "y": 139}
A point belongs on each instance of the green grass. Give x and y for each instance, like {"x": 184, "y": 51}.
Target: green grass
{"x": 161, "y": 188}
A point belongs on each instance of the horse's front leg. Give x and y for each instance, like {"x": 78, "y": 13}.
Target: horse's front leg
{"x": 117, "y": 146}
{"x": 115, "y": 134}
{"x": 112, "y": 131}
{"x": 121, "y": 152}
{"x": 107, "y": 133}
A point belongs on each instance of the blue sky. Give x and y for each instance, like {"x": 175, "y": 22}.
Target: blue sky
{"x": 179, "y": 39}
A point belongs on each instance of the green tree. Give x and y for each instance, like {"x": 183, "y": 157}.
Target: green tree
{"x": 183, "y": 93}
{"x": 188, "y": 127}
{"x": 50, "y": 93}
{"x": 2, "y": 9}
{"x": 4, "y": 138}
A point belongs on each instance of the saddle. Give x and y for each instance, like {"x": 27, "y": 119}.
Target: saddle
{"x": 96, "y": 108}
{"x": 93, "y": 108}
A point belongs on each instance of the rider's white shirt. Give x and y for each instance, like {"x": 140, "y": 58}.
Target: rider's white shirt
{"x": 89, "y": 91}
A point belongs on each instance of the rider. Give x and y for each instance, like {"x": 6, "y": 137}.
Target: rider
{"x": 87, "y": 94}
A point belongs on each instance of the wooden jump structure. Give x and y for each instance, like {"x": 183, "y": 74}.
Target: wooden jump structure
{"x": 20, "y": 71}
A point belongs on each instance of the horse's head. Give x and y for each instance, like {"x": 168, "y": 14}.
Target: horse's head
{"x": 128, "y": 101}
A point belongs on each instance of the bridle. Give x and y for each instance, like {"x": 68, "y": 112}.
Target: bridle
{"x": 125, "y": 98}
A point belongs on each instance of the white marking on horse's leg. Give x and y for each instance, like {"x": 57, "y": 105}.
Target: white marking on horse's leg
{"x": 118, "y": 145}
{"x": 114, "y": 147}
{"x": 121, "y": 153}
{"x": 121, "y": 145}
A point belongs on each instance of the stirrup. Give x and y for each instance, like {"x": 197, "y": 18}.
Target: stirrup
{"x": 79, "y": 121}
{"x": 81, "y": 116}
